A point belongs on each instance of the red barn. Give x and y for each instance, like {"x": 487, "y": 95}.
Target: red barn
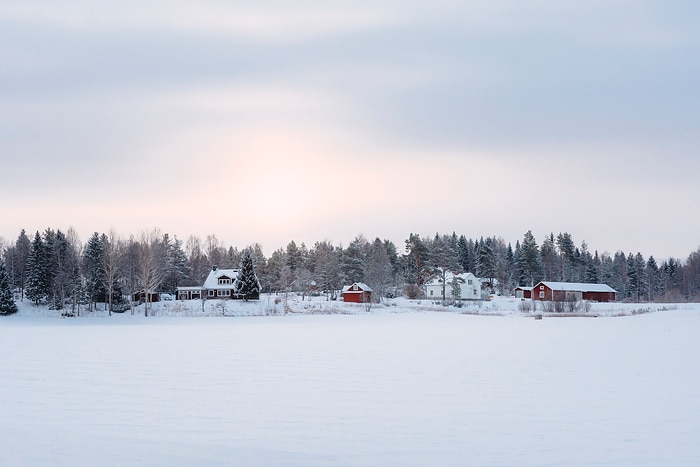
{"x": 573, "y": 291}
{"x": 357, "y": 293}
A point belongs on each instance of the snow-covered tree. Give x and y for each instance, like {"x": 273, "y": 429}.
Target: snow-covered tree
{"x": 151, "y": 266}
{"x": 456, "y": 286}
{"x": 38, "y": 283}
{"x": 247, "y": 284}
{"x": 110, "y": 266}
{"x": 16, "y": 262}
{"x": 93, "y": 268}
{"x": 66, "y": 267}
{"x": 529, "y": 260}
{"x": 354, "y": 260}
{"x": 567, "y": 252}
{"x": 550, "y": 259}
{"x": 652, "y": 278}
{"x": 327, "y": 273}
{"x": 7, "y": 299}
{"x": 379, "y": 273}
{"x": 486, "y": 260}
{"x": 465, "y": 254}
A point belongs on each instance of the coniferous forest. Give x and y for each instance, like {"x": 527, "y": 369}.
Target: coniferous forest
{"x": 56, "y": 268}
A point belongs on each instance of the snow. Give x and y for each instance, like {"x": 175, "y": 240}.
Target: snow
{"x": 332, "y": 384}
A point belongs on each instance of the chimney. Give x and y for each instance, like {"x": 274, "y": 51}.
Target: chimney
{"x": 214, "y": 268}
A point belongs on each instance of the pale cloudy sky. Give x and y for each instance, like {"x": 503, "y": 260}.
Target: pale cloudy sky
{"x": 269, "y": 121}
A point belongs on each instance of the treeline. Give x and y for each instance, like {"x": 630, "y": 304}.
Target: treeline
{"x": 57, "y": 268}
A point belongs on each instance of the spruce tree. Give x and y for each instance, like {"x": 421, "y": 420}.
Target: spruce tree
{"x": 247, "y": 284}
{"x": 7, "y": 300}
{"x": 93, "y": 260}
{"x": 38, "y": 283}
{"x": 530, "y": 260}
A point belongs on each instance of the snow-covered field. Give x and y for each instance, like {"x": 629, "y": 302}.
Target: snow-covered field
{"x": 410, "y": 384}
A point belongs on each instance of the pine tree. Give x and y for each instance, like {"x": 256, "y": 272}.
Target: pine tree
{"x": 93, "y": 260}
{"x": 550, "y": 258}
{"x": 7, "y": 300}
{"x": 16, "y": 262}
{"x": 530, "y": 260}
{"x": 247, "y": 284}
{"x": 632, "y": 279}
{"x": 354, "y": 261}
{"x": 639, "y": 266}
{"x": 567, "y": 252}
{"x": 652, "y": 272}
{"x": 416, "y": 259}
{"x": 486, "y": 260}
{"x": 38, "y": 284}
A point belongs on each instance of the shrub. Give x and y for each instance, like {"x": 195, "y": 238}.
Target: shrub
{"x": 412, "y": 291}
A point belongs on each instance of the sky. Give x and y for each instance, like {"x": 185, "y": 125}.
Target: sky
{"x": 272, "y": 121}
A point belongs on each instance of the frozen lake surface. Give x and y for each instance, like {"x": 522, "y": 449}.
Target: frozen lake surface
{"x": 361, "y": 389}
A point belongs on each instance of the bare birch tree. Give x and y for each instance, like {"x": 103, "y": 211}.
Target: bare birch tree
{"x": 150, "y": 266}
{"x": 110, "y": 265}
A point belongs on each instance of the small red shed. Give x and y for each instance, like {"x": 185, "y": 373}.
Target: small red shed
{"x": 523, "y": 292}
{"x": 357, "y": 293}
{"x": 573, "y": 291}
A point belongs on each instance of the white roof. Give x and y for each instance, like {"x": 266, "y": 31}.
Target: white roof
{"x": 449, "y": 276}
{"x": 361, "y": 285}
{"x": 579, "y": 286}
{"x": 212, "y": 281}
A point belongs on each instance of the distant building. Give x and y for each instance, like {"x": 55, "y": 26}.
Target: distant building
{"x": 220, "y": 283}
{"x": 573, "y": 291}
{"x": 357, "y": 293}
{"x": 523, "y": 292}
{"x": 469, "y": 286}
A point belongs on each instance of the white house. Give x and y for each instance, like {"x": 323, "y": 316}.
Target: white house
{"x": 469, "y": 286}
{"x": 220, "y": 283}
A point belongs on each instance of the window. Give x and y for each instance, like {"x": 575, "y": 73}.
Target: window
{"x": 542, "y": 294}
{"x": 212, "y": 293}
{"x": 224, "y": 293}
{"x": 224, "y": 281}
{"x": 431, "y": 292}
{"x": 469, "y": 282}
{"x": 542, "y": 287}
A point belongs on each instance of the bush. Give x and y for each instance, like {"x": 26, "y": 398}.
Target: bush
{"x": 525, "y": 306}
{"x": 412, "y": 291}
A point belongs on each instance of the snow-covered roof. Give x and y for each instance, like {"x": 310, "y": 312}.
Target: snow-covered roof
{"x": 360, "y": 285}
{"x": 522, "y": 287}
{"x": 579, "y": 286}
{"x": 212, "y": 282}
{"x": 448, "y": 278}
{"x": 194, "y": 288}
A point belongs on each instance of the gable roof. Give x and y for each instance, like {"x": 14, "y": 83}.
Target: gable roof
{"x": 212, "y": 282}
{"x": 578, "y": 286}
{"x": 449, "y": 276}
{"x": 360, "y": 285}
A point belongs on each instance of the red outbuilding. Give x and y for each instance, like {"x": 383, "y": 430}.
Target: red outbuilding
{"x": 357, "y": 293}
{"x": 523, "y": 292}
{"x": 573, "y": 291}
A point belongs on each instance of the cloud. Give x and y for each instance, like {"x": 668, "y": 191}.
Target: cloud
{"x": 398, "y": 111}
{"x": 252, "y": 21}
